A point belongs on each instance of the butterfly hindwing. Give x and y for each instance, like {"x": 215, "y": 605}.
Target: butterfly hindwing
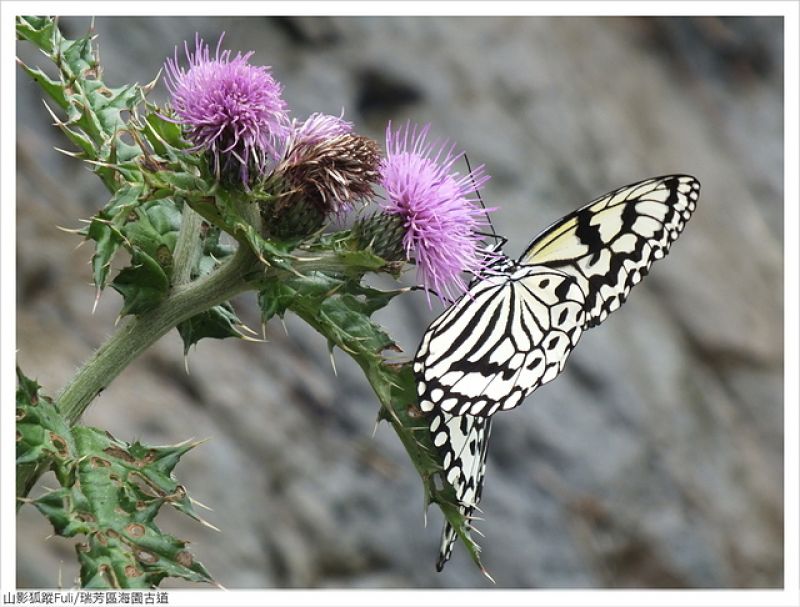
{"x": 461, "y": 441}
{"x": 509, "y": 334}
{"x": 610, "y": 244}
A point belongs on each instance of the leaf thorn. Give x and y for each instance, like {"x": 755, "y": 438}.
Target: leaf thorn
{"x": 205, "y": 523}
{"x": 249, "y": 330}
{"x": 486, "y": 573}
{"x": 97, "y": 294}
{"x": 476, "y": 530}
{"x": 200, "y": 504}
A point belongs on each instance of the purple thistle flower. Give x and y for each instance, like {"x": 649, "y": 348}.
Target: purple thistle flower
{"x": 228, "y": 107}
{"x": 440, "y": 217}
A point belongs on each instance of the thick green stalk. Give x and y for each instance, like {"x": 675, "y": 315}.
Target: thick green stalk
{"x": 138, "y": 333}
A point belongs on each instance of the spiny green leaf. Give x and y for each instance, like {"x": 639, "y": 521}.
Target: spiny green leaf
{"x": 52, "y": 87}
{"x": 274, "y": 299}
{"x": 363, "y": 260}
{"x": 163, "y": 135}
{"x": 186, "y": 182}
{"x": 106, "y": 230}
{"x": 42, "y": 433}
{"x": 214, "y": 251}
{"x": 104, "y": 564}
{"x": 95, "y": 113}
{"x": 111, "y": 492}
{"x": 340, "y": 305}
{"x": 149, "y": 232}
{"x": 83, "y": 142}
{"x": 38, "y": 30}
{"x": 121, "y": 488}
{"x": 143, "y": 284}
{"x": 232, "y": 212}
{"x": 342, "y": 250}
{"x": 115, "y": 563}
{"x": 28, "y": 391}
{"x": 155, "y": 230}
{"x": 109, "y": 103}
{"x": 219, "y": 322}
{"x": 151, "y": 226}
{"x": 77, "y": 55}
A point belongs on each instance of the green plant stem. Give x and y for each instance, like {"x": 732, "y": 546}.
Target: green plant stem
{"x": 138, "y": 333}
{"x": 188, "y": 245}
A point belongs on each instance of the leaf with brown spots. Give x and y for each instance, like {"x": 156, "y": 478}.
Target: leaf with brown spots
{"x": 111, "y": 493}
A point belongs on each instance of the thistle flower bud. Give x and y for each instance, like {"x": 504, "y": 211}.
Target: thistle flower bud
{"x": 291, "y": 215}
{"x": 382, "y": 234}
{"x": 318, "y": 178}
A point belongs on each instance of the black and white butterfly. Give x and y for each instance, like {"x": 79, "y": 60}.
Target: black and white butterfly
{"x": 517, "y": 324}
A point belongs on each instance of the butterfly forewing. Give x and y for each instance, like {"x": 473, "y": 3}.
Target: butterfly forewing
{"x": 610, "y": 244}
{"x": 508, "y": 335}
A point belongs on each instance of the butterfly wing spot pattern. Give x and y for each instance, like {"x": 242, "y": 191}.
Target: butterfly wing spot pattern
{"x": 610, "y": 244}
{"x": 515, "y": 328}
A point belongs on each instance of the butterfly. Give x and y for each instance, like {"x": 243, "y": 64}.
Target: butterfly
{"x": 514, "y": 328}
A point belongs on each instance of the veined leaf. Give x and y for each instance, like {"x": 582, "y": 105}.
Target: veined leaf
{"x": 143, "y": 284}
{"x": 106, "y": 230}
{"x": 111, "y": 493}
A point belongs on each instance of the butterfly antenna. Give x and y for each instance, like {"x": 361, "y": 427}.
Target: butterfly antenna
{"x": 431, "y": 292}
{"x": 480, "y": 198}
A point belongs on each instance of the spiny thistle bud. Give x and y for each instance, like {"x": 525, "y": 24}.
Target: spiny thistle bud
{"x": 382, "y": 234}
{"x": 291, "y": 215}
{"x": 317, "y": 178}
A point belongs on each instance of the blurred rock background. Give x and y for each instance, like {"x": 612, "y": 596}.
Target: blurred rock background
{"x": 654, "y": 461}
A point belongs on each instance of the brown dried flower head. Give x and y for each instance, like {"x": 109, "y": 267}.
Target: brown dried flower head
{"x": 335, "y": 174}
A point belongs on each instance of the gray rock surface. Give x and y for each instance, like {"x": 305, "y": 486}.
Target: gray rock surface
{"x": 654, "y": 461}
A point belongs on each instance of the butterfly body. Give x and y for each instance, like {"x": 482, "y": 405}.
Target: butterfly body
{"x": 517, "y": 324}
